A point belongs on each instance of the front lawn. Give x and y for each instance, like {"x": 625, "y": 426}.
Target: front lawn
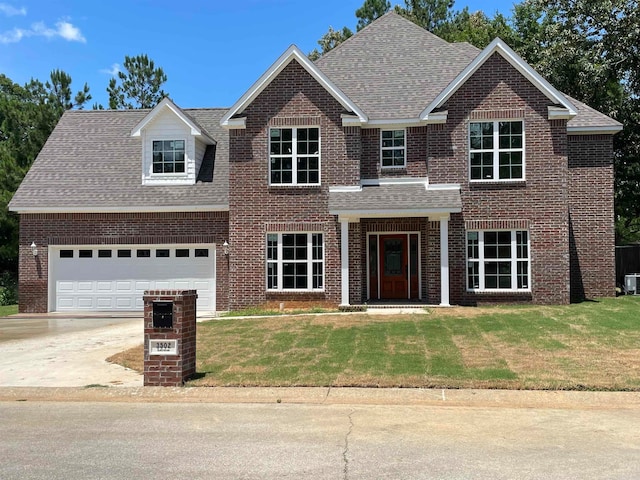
{"x": 8, "y": 310}
{"x": 592, "y": 345}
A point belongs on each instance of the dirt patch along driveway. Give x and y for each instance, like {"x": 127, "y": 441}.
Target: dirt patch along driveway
{"x": 55, "y": 351}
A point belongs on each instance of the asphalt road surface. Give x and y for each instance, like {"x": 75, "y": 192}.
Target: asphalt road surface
{"x": 72, "y": 440}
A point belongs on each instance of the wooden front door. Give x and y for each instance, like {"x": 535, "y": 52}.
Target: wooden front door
{"x": 394, "y": 268}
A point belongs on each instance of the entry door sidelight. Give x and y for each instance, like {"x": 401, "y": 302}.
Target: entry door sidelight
{"x": 394, "y": 267}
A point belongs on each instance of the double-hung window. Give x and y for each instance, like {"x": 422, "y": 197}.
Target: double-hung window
{"x": 294, "y": 156}
{"x": 496, "y": 150}
{"x": 498, "y": 260}
{"x": 168, "y": 156}
{"x": 392, "y": 148}
{"x": 295, "y": 261}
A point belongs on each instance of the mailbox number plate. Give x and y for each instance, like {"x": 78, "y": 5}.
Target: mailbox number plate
{"x": 163, "y": 347}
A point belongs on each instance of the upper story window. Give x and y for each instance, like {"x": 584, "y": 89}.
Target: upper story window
{"x": 294, "y": 156}
{"x": 496, "y": 150}
{"x": 498, "y": 260}
{"x": 168, "y": 156}
{"x": 392, "y": 148}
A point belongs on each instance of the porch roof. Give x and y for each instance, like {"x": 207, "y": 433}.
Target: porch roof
{"x": 396, "y": 200}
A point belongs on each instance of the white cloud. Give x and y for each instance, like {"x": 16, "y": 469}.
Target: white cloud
{"x": 10, "y": 10}
{"x": 63, "y": 29}
{"x": 113, "y": 71}
{"x": 70, "y": 32}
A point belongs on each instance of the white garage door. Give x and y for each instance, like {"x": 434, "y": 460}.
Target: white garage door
{"x": 115, "y": 277}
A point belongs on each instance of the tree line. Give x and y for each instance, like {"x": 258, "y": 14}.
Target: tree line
{"x": 589, "y": 49}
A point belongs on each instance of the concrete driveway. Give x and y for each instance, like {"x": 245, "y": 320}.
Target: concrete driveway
{"x": 66, "y": 351}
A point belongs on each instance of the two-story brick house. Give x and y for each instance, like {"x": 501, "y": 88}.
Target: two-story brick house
{"x": 398, "y": 167}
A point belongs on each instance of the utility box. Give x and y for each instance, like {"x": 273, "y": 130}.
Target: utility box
{"x": 169, "y": 337}
{"x": 632, "y": 283}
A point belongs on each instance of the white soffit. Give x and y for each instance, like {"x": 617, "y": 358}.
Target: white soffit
{"x": 498, "y": 46}
{"x": 292, "y": 53}
{"x": 196, "y": 130}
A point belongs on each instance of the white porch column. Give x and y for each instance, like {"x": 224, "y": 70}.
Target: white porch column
{"x": 444, "y": 262}
{"x": 344, "y": 261}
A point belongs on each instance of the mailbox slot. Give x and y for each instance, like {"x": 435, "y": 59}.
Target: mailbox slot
{"x": 162, "y": 314}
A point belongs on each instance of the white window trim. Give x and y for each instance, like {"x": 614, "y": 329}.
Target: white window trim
{"x": 294, "y": 156}
{"x": 392, "y": 167}
{"x": 280, "y": 261}
{"x": 151, "y": 174}
{"x": 496, "y": 151}
{"x": 514, "y": 262}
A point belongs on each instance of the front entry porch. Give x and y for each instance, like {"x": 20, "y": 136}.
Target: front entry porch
{"x": 395, "y": 257}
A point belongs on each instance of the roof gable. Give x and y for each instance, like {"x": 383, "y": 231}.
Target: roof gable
{"x": 501, "y": 48}
{"x": 392, "y": 68}
{"x": 167, "y": 105}
{"x": 292, "y": 53}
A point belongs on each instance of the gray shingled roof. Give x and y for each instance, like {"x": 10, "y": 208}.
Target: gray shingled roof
{"x": 91, "y": 161}
{"x": 393, "y": 68}
{"x": 589, "y": 117}
{"x": 394, "y": 198}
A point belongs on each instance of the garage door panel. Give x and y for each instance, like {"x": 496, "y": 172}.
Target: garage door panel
{"x": 104, "y": 303}
{"x": 112, "y": 283}
{"x": 86, "y": 286}
{"x": 64, "y": 287}
{"x": 85, "y": 303}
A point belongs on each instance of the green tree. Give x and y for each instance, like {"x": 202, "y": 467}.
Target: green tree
{"x": 476, "y": 28}
{"x": 590, "y": 50}
{"x": 429, "y": 14}
{"x": 329, "y": 41}
{"x": 28, "y": 115}
{"x": 371, "y": 10}
{"x": 139, "y": 86}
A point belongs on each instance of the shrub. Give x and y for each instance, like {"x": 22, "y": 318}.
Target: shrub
{"x": 8, "y": 289}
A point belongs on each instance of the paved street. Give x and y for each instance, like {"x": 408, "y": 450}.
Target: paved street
{"x": 44, "y": 440}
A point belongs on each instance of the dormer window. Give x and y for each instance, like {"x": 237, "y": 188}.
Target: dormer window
{"x": 168, "y": 156}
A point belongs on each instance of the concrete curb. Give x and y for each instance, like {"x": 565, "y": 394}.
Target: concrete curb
{"x": 330, "y": 396}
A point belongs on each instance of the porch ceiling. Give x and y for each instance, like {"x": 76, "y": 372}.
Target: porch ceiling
{"x": 395, "y": 200}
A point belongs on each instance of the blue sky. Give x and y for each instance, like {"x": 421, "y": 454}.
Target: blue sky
{"x": 212, "y": 51}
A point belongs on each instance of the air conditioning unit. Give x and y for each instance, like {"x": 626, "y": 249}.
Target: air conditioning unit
{"x": 632, "y": 283}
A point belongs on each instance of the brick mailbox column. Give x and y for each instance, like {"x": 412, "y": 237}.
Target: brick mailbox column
{"x": 169, "y": 337}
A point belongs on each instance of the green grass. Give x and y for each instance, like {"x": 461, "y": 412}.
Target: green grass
{"x": 8, "y": 310}
{"x": 592, "y": 345}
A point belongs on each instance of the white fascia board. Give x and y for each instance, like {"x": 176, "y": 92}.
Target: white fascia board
{"x": 239, "y": 123}
{"x": 434, "y": 118}
{"x": 444, "y": 186}
{"x": 400, "y": 213}
{"x": 292, "y": 53}
{"x": 374, "y": 182}
{"x": 559, "y": 113}
{"x": 188, "y": 208}
{"x": 517, "y": 62}
{"x": 608, "y": 130}
{"x": 345, "y": 188}
{"x": 177, "y": 111}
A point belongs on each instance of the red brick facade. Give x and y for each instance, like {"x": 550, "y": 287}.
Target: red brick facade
{"x": 565, "y": 201}
{"x": 112, "y": 229}
{"x": 294, "y": 98}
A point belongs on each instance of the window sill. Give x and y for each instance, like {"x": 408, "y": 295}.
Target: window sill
{"x": 497, "y": 183}
{"x": 500, "y": 291}
{"x": 315, "y": 186}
